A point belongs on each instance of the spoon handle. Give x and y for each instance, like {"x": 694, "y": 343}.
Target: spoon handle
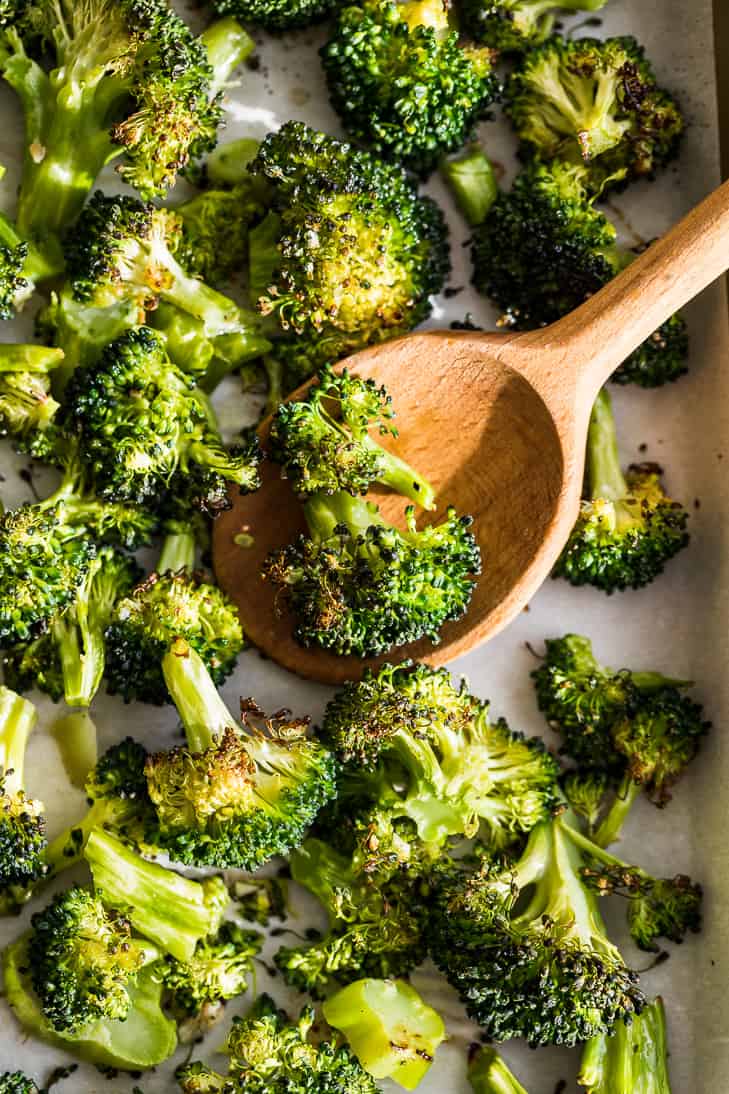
{"x": 595, "y": 338}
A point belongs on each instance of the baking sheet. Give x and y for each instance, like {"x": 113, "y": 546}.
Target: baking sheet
{"x": 678, "y": 624}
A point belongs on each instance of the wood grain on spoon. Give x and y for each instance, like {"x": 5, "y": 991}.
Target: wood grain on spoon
{"x": 497, "y": 422}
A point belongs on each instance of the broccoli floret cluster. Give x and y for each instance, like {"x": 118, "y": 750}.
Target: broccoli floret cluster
{"x": 402, "y": 81}
{"x": 27, "y": 406}
{"x": 16, "y": 1082}
{"x": 277, "y": 15}
{"x": 516, "y": 25}
{"x": 218, "y": 970}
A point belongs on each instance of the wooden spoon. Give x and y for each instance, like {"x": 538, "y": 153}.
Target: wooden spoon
{"x": 497, "y": 422}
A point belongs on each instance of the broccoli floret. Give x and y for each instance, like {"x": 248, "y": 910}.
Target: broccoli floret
{"x": 525, "y": 945}
{"x": 473, "y": 183}
{"x": 22, "y": 820}
{"x": 436, "y": 758}
{"x": 586, "y": 792}
{"x": 22, "y": 262}
{"x": 358, "y": 585}
{"x": 516, "y": 25}
{"x": 323, "y": 443}
{"x": 627, "y": 528}
{"x": 374, "y": 926}
{"x": 488, "y": 1074}
{"x": 543, "y": 249}
{"x": 16, "y": 1082}
{"x": 347, "y": 256}
{"x": 27, "y": 406}
{"x": 69, "y": 660}
{"x": 230, "y": 798}
{"x": 143, "y": 427}
{"x": 261, "y": 899}
{"x": 634, "y": 1057}
{"x": 595, "y": 101}
{"x": 657, "y": 907}
{"x": 218, "y": 970}
{"x": 403, "y": 83}
{"x": 215, "y": 223}
{"x": 277, "y": 15}
{"x": 111, "y": 78}
{"x": 145, "y": 623}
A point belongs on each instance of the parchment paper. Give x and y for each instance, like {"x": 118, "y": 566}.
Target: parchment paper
{"x": 678, "y": 624}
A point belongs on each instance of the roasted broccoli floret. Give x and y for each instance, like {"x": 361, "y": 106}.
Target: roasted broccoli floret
{"x": 27, "y": 406}
{"x": 261, "y": 899}
{"x": 391, "y": 1031}
{"x": 634, "y": 1057}
{"x": 23, "y": 263}
{"x": 348, "y": 254}
{"x": 22, "y": 820}
{"x": 228, "y": 797}
{"x": 323, "y": 443}
{"x": 277, "y": 15}
{"x": 358, "y": 585}
{"x": 488, "y": 1073}
{"x": 146, "y": 432}
{"x": 218, "y": 970}
{"x": 270, "y": 1055}
{"x": 79, "y": 979}
{"x": 516, "y": 25}
{"x": 16, "y": 1082}
{"x": 436, "y": 759}
{"x": 110, "y": 78}
{"x": 627, "y": 528}
{"x": 525, "y": 945}
{"x": 598, "y": 102}
{"x": 543, "y": 249}
{"x": 69, "y": 659}
{"x": 402, "y": 81}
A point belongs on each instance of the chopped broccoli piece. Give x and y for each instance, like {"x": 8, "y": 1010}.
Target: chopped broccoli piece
{"x": 277, "y": 15}
{"x": 110, "y": 78}
{"x": 365, "y": 275}
{"x": 516, "y": 25}
{"x": 77, "y": 739}
{"x": 215, "y": 223}
{"x": 146, "y": 432}
{"x": 22, "y": 820}
{"x": 595, "y": 101}
{"x": 634, "y": 1057}
{"x": 544, "y": 248}
{"x": 525, "y": 945}
{"x": 473, "y": 183}
{"x": 27, "y": 406}
{"x": 16, "y": 1082}
{"x": 359, "y": 585}
{"x": 391, "y": 1031}
{"x": 261, "y": 899}
{"x": 488, "y": 1074}
{"x": 218, "y": 970}
{"x": 403, "y": 83}
{"x": 323, "y": 443}
{"x": 627, "y": 528}
{"x": 230, "y": 798}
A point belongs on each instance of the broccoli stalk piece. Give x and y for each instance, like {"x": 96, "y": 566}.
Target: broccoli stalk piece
{"x": 230, "y": 798}
{"x": 217, "y": 971}
{"x": 513, "y": 26}
{"x": 403, "y": 83}
{"x": 22, "y": 820}
{"x": 27, "y": 406}
{"x": 77, "y": 739}
{"x": 358, "y": 585}
{"x": 23, "y": 263}
{"x": 15, "y": 1082}
{"x": 595, "y": 101}
{"x": 323, "y": 443}
{"x": 80, "y": 980}
{"x": 365, "y": 275}
{"x": 488, "y": 1074}
{"x": 627, "y": 528}
{"x": 635, "y": 1057}
{"x": 270, "y": 1055}
{"x": 472, "y": 182}
{"x": 391, "y": 1031}
{"x": 125, "y": 78}
{"x": 525, "y": 946}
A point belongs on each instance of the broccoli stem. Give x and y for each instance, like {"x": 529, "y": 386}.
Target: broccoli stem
{"x": 202, "y": 711}
{"x": 76, "y": 737}
{"x": 17, "y": 719}
{"x": 172, "y": 911}
{"x": 228, "y": 163}
{"x": 594, "y": 849}
{"x": 473, "y": 182}
{"x": 79, "y": 639}
{"x": 39, "y": 265}
{"x": 324, "y": 513}
{"x": 633, "y": 1057}
{"x": 611, "y": 827}
{"x": 487, "y": 1072}
{"x": 68, "y": 847}
{"x": 227, "y": 45}
{"x": 603, "y": 460}
{"x": 178, "y": 552}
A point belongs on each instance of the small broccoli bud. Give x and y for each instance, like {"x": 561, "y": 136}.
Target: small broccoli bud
{"x": 488, "y": 1074}
{"x": 218, "y": 970}
{"x": 632, "y": 1056}
{"x": 657, "y": 907}
{"x": 513, "y": 26}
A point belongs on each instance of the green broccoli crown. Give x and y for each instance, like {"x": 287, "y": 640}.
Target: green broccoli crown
{"x": 627, "y": 528}
{"x": 516, "y": 25}
{"x": 142, "y": 425}
{"x": 34, "y": 664}
{"x": 525, "y": 946}
{"x": 657, "y": 907}
{"x": 146, "y": 622}
{"x": 489, "y": 1074}
{"x": 27, "y": 406}
{"x": 119, "y": 773}
{"x": 634, "y": 1056}
{"x": 16, "y": 1082}
{"x": 218, "y": 970}
{"x": 324, "y": 446}
{"x": 591, "y": 100}
{"x": 277, "y": 15}
{"x": 83, "y": 959}
{"x": 661, "y": 359}
{"x": 349, "y": 254}
{"x": 358, "y": 585}
{"x": 214, "y": 241}
{"x": 402, "y": 82}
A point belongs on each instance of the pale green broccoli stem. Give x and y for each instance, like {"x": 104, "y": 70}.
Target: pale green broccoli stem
{"x": 68, "y": 847}
{"x": 473, "y": 183}
{"x": 17, "y": 720}
{"x": 202, "y": 711}
{"x": 39, "y": 265}
{"x": 218, "y": 313}
{"x": 579, "y": 107}
{"x": 26, "y": 358}
{"x": 633, "y": 1057}
{"x": 487, "y": 1072}
{"x": 227, "y": 45}
{"x": 603, "y": 460}
{"x": 172, "y": 911}
{"x": 611, "y": 827}
{"x": 77, "y": 740}
{"x": 324, "y": 512}
{"x": 178, "y": 552}
{"x": 274, "y": 375}
{"x": 79, "y": 638}
{"x": 400, "y": 476}
{"x": 595, "y": 850}
{"x": 227, "y": 164}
